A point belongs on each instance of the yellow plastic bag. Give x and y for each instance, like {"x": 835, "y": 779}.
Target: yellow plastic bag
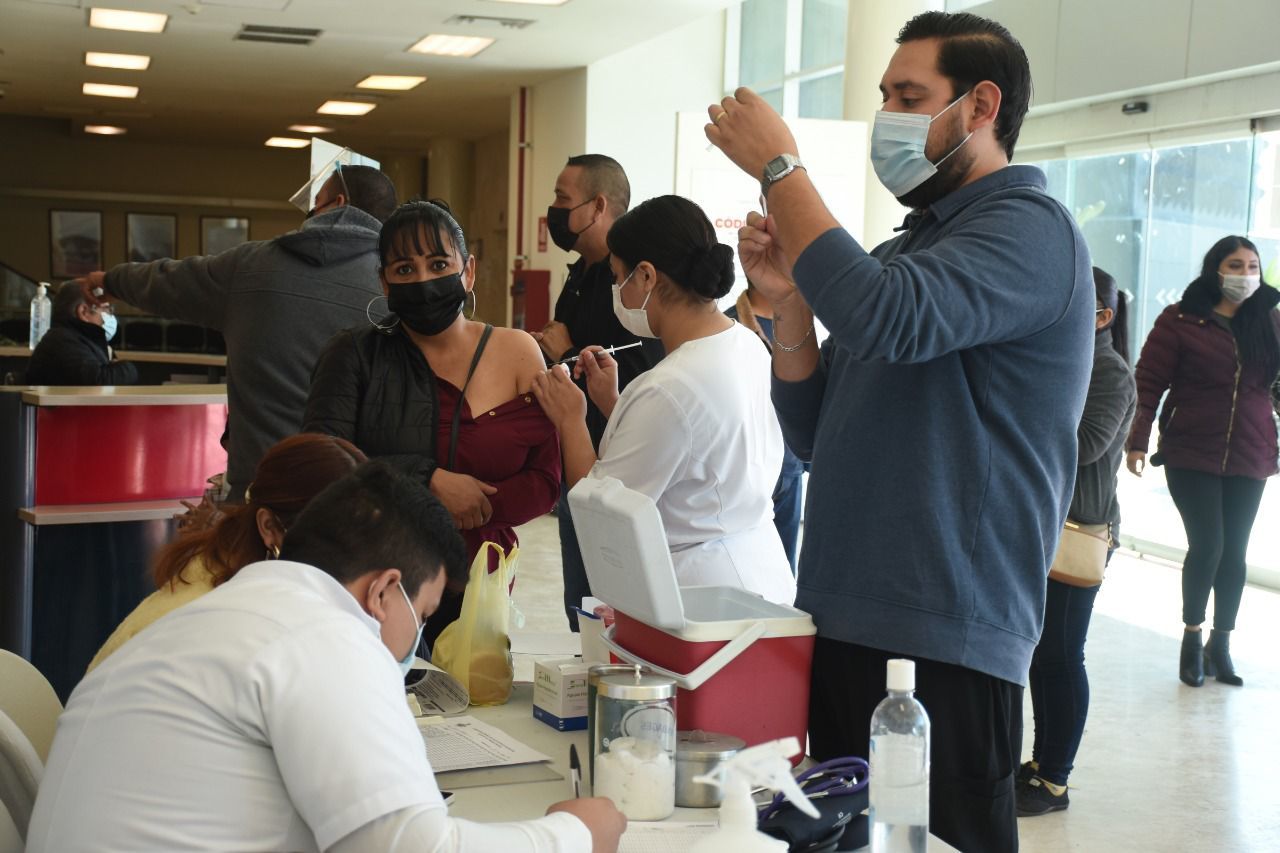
{"x": 476, "y": 649}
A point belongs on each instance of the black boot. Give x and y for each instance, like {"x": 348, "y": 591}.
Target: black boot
{"x": 1191, "y": 661}
{"x": 1217, "y": 659}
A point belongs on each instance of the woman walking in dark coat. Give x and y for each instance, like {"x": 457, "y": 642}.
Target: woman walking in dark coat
{"x": 1217, "y": 353}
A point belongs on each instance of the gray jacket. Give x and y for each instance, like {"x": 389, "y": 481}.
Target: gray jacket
{"x": 1108, "y": 412}
{"x": 277, "y": 303}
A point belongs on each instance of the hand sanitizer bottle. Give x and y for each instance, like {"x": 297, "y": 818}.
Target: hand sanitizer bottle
{"x": 765, "y": 765}
{"x": 899, "y": 789}
{"x": 41, "y": 314}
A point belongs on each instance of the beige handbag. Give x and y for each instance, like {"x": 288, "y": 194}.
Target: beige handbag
{"x": 1082, "y": 554}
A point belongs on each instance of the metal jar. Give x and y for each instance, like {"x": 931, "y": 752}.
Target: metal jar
{"x": 594, "y": 674}
{"x": 699, "y": 752}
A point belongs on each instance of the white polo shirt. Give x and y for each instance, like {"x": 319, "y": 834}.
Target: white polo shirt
{"x": 267, "y": 715}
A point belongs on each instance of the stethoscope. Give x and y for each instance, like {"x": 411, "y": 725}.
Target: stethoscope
{"x": 839, "y": 777}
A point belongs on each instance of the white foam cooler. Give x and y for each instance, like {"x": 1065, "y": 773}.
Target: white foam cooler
{"x": 742, "y": 663}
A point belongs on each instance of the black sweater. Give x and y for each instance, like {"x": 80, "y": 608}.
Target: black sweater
{"x": 74, "y": 352}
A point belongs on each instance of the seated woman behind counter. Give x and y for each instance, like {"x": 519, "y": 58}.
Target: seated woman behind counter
{"x": 290, "y": 474}
{"x": 443, "y": 398}
{"x": 697, "y": 433}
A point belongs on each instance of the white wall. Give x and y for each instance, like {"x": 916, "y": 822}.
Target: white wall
{"x": 633, "y": 97}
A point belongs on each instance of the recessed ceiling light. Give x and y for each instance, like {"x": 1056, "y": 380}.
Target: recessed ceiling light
{"x": 345, "y": 108}
{"x": 310, "y": 128}
{"x": 127, "y": 61}
{"x": 390, "y": 82}
{"x": 105, "y": 129}
{"x": 287, "y": 142}
{"x": 443, "y": 45}
{"x": 110, "y": 90}
{"x": 119, "y": 19}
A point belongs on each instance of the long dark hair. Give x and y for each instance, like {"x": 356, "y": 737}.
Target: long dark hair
{"x": 290, "y": 474}
{"x": 1110, "y": 295}
{"x": 674, "y": 235}
{"x": 1252, "y": 325}
{"x": 403, "y": 233}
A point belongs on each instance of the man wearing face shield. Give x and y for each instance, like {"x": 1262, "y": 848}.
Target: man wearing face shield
{"x": 276, "y": 302}
{"x": 77, "y": 348}
{"x": 591, "y": 193}
{"x": 940, "y": 415}
{"x": 270, "y": 713}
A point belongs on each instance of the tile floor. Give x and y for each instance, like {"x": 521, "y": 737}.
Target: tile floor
{"x": 1163, "y": 767}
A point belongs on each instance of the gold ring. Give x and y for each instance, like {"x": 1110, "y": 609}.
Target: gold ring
{"x": 716, "y": 120}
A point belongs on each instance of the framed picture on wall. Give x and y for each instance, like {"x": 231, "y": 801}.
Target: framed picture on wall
{"x": 75, "y": 242}
{"x": 219, "y": 233}
{"x": 151, "y": 236}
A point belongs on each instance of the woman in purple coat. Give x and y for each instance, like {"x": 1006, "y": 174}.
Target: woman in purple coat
{"x": 1217, "y": 353}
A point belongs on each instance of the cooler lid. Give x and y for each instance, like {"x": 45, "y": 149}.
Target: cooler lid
{"x": 624, "y": 548}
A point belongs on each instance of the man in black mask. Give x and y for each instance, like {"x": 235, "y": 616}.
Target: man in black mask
{"x": 591, "y": 193}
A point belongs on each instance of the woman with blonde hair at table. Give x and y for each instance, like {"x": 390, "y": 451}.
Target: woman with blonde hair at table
{"x": 290, "y": 474}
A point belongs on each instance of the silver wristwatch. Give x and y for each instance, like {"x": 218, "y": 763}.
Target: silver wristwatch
{"x": 777, "y": 169}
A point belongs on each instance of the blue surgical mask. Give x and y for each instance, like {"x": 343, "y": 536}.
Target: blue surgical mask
{"x": 109, "y": 325}
{"x": 406, "y": 663}
{"x": 897, "y": 149}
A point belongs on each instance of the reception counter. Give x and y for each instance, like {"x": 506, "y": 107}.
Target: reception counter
{"x": 90, "y": 479}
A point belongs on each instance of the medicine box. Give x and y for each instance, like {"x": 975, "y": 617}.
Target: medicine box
{"x": 560, "y": 693}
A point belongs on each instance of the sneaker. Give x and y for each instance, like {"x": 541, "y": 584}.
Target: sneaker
{"x": 1025, "y": 772}
{"x": 1034, "y": 798}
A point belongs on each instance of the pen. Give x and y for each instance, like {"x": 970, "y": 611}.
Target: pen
{"x": 575, "y": 770}
{"x": 609, "y": 350}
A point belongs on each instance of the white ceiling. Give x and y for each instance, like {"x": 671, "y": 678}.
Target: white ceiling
{"x": 205, "y": 86}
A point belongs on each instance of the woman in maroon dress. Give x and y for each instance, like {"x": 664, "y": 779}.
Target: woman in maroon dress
{"x": 443, "y": 397}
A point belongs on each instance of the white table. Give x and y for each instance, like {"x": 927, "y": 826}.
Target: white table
{"x": 526, "y": 800}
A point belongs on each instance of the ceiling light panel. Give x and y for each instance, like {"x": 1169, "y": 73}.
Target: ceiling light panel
{"x": 110, "y": 90}
{"x": 120, "y": 19}
{"x": 127, "y": 61}
{"x": 287, "y": 142}
{"x": 105, "y": 129}
{"x": 390, "y": 82}
{"x": 345, "y": 108}
{"x": 446, "y": 45}
{"x": 310, "y": 128}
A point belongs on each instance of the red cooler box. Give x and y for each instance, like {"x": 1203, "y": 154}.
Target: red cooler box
{"x": 742, "y": 663}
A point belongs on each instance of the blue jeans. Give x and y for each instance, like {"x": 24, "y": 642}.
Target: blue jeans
{"x": 1059, "y": 683}
{"x": 576, "y": 585}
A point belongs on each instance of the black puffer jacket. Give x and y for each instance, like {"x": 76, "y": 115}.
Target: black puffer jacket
{"x": 375, "y": 389}
{"x": 74, "y": 352}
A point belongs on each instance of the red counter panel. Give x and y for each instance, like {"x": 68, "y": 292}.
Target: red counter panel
{"x": 112, "y": 454}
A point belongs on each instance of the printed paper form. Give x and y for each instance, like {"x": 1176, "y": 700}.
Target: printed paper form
{"x": 464, "y": 743}
{"x": 663, "y": 837}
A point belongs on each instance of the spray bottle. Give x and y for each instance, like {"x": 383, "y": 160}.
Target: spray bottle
{"x": 765, "y": 765}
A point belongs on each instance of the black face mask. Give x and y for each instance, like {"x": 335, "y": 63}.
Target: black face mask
{"x": 558, "y": 226}
{"x": 428, "y": 307}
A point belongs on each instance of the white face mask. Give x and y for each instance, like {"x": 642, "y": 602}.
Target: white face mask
{"x": 634, "y": 320}
{"x": 897, "y": 149}
{"x": 1238, "y": 288}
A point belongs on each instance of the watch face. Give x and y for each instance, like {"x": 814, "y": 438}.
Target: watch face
{"x": 776, "y": 165}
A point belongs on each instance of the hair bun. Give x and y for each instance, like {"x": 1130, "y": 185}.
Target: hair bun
{"x": 711, "y": 271}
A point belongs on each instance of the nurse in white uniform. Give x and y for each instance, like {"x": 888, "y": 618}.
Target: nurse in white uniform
{"x": 697, "y": 433}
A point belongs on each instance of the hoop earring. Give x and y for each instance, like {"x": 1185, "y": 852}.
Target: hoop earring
{"x": 273, "y": 552}
{"x": 472, "y": 294}
{"x": 374, "y": 322}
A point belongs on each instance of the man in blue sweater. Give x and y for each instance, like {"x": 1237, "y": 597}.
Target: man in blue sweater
{"x": 939, "y": 415}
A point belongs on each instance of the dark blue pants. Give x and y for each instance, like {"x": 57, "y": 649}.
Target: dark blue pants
{"x": 1218, "y": 514}
{"x": 787, "y": 504}
{"x": 576, "y": 585}
{"x": 1059, "y": 683}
